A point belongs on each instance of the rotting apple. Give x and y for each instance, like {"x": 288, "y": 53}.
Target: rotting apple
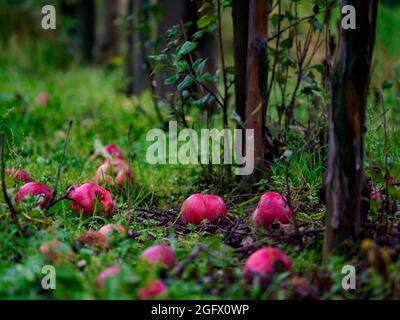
{"x": 35, "y": 189}
{"x": 272, "y": 207}
{"x": 113, "y": 171}
{"x": 83, "y": 198}
{"x": 94, "y": 240}
{"x": 114, "y": 151}
{"x": 56, "y": 251}
{"x": 19, "y": 175}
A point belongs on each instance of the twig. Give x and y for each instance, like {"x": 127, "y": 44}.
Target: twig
{"x": 190, "y": 258}
{"x": 60, "y": 165}
{"x": 5, "y": 194}
{"x": 130, "y": 164}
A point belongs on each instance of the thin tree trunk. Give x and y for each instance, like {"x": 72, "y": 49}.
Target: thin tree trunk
{"x": 137, "y": 73}
{"x": 107, "y": 36}
{"x": 240, "y": 17}
{"x": 257, "y": 77}
{"x": 87, "y": 28}
{"x": 350, "y": 81}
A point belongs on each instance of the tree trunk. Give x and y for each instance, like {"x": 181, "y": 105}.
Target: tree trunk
{"x": 257, "y": 77}
{"x": 350, "y": 81}
{"x": 87, "y": 19}
{"x": 107, "y": 36}
{"x": 240, "y": 17}
{"x": 137, "y": 74}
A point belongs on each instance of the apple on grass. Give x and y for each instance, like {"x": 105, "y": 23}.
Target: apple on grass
{"x": 83, "y": 199}
{"x": 200, "y": 207}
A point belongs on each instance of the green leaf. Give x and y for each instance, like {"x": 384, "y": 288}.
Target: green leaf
{"x": 172, "y": 79}
{"x": 159, "y": 57}
{"x": 186, "y": 48}
{"x": 287, "y": 43}
{"x": 185, "y": 83}
{"x": 387, "y": 84}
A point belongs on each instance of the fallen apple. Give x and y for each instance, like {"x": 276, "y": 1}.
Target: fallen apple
{"x": 42, "y": 99}
{"x": 56, "y": 251}
{"x": 161, "y": 254}
{"x": 152, "y": 289}
{"x": 199, "y": 207}
{"x": 110, "y": 229}
{"x": 35, "y": 189}
{"x": 271, "y": 207}
{"x": 94, "y": 240}
{"x": 114, "y": 151}
{"x": 19, "y": 175}
{"x": 105, "y": 274}
{"x": 264, "y": 262}
{"x": 83, "y": 198}
{"x": 113, "y": 171}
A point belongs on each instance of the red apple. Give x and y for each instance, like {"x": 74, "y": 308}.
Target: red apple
{"x": 19, "y": 175}
{"x": 109, "y": 229}
{"x": 42, "y": 99}
{"x": 265, "y": 261}
{"x": 159, "y": 254}
{"x": 56, "y": 251}
{"x": 199, "y": 207}
{"x": 35, "y": 189}
{"x": 152, "y": 289}
{"x": 113, "y": 171}
{"x": 83, "y": 198}
{"x": 272, "y": 207}
{"x": 93, "y": 239}
{"x": 114, "y": 151}
{"x": 109, "y": 272}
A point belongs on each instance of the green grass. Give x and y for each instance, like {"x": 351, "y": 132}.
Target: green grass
{"x": 93, "y": 98}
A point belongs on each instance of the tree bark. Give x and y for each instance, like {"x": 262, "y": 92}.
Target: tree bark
{"x": 257, "y": 77}
{"x": 107, "y": 36}
{"x": 87, "y": 22}
{"x": 240, "y": 17}
{"x": 136, "y": 69}
{"x": 350, "y": 82}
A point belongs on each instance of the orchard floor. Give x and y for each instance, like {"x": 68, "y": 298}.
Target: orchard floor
{"x": 211, "y": 256}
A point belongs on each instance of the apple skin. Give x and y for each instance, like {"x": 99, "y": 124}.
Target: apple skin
{"x": 109, "y": 229}
{"x": 152, "y": 289}
{"x": 94, "y": 239}
{"x": 19, "y": 175}
{"x": 56, "y": 251}
{"x": 106, "y": 273}
{"x": 264, "y": 262}
{"x": 271, "y": 207}
{"x": 113, "y": 171}
{"x": 199, "y": 207}
{"x": 83, "y": 198}
{"x": 161, "y": 254}
{"x": 42, "y": 99}
{"x": 35, "y": 189}
{"x": 114, "y": 151}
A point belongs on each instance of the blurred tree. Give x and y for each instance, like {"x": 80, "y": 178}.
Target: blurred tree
{"x": 107, "y": 35}
{"x": 256, "y": 85}
{"x": 87, "y": 20}
{"x": 350, "y": 82}
{"x": 240, "y": 18}
{"x": 137, "y": 74}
